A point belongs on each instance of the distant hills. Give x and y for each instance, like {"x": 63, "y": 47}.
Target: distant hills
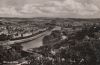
{"x": 45, "y": 19}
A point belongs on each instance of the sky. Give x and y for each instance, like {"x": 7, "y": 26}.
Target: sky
{"x": 50, "y": 8}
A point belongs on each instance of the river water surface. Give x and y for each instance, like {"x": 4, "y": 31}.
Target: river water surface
{"x": 37, "y": 42}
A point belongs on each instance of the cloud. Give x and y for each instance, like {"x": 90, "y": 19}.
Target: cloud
{"x": 51, "y": 8}
{"x": 90, "y": 9}
{"x": 73, "y": 6}
{"x": 30, "y": 8}
{"x": 11, "y": 11}
{"x": 61, "y": 7}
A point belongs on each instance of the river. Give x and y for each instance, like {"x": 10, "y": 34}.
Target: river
{"x": 37, "y": 42}
{"x": 33, "y": 44}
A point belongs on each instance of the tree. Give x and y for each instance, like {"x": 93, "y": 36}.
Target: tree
{"x": 8, "y": 54}
{"x": 46, "y": 40}
{"x": 17, "y": 47}
{"x": 3, "y": 37}
{"x": 56, "y": 34}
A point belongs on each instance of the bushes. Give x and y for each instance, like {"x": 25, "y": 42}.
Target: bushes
{"x": 75, "y": 51}
{"x": 10, "y": 54}
{"x": 81, "y": 53}
{"x": 3, "y": 37}
{"x": 52, "y": 38}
